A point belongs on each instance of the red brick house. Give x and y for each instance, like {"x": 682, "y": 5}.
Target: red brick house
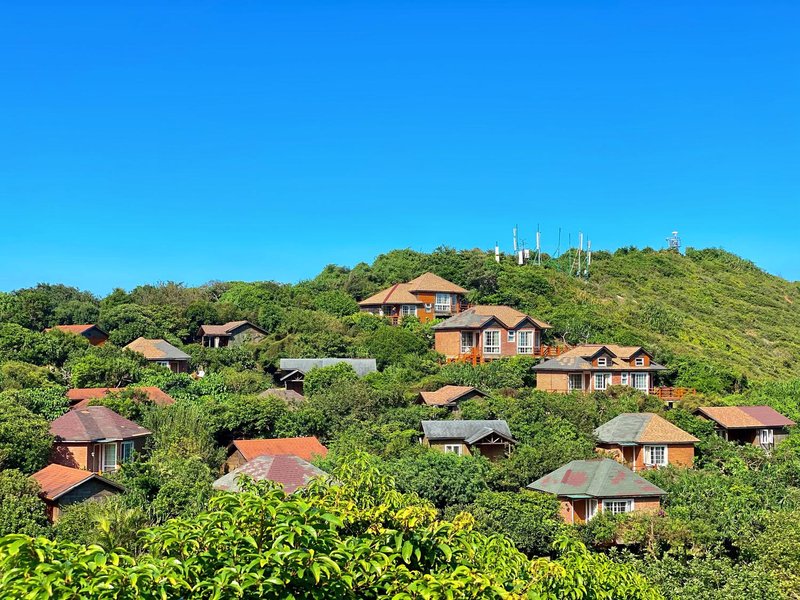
{"x": 96, "y": 439}
{"x": 484, "y": 333}
{"x": 63, "y": 486}
{"x": 426, "y": 297}
{"x": 243, "y": 451}
{"x": 761, "y": 426}
{"x": 645, "y": 441}
{"x": 595, "y": 367}
{"x": 585, "y": 488}
{"x": 95, "y": 335}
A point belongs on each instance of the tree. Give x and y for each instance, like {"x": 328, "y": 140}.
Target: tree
{"x": 25, "y": 440}
{"x": 390, "y": 345}
{"x": 126, "y": 322}
{"x": 106, "y": 367}
{"x": 321, "y": 379}
{"x": 21, "y": 509}
{"x": 48, "y": 402}
{"x": 337, "y": 303}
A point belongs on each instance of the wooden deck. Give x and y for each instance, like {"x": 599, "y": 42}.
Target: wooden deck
{"x": 476, "y": 357}
{"x": 670, "y": 394}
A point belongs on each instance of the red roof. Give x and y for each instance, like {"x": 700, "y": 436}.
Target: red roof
{"x": 304, "y": 447}
{"x": 81, "y": 397}
{"x": 56, "y": 480}
{"x": 95, "y": 423}
{"x": 292, "y": 472}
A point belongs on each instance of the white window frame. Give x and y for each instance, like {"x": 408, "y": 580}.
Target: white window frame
{"x": 408, "y": 310}
{"x": 126, "y": 451}
{"x": 639, "y": 361}
{"x": 602, "y": 361}
{"x": 629, "y": 505}
{"x": 471, "y": 347}
{"x": 606, "y": 381}
{"x": 766, "y": 437}
{"x": 645, "y": 376}
{"x": 443, "y": 302}
{"x": 527, "y": 348}
{"x": 428, "y": 307}
{"x": 591, "y": 508}
{"x": 490, "y": 349}
{"x": 105, "y": 467}
{"x": 512, "y": 335}
{"x": 572, "y": 388}
{"x": 624, "y": 379}
{"x": 163, "y": 363}
{"x": 648, "y": 455}
{"x": 456, "y": 449}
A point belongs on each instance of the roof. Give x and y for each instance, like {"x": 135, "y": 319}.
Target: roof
{"x": 479, "y": 316}
{"x": 362, "y": 366}
{"x": 465, "y": 430}
{"x": 156, "y": 349}
{"x": 598, "y": 478}
{"x": 580, "y": 358}
{"x": 290, "y": 397}
{"x": 744, "y": 417}
{"x": 292, "y": 472}
{"x": 642, "y": 428}
{"x": 403, "y": 293}
{"x": 304, "y": 447}
{"x": 93, "y": 424}
{"x": 448, "y": 394}
{"x": 81, "y": 397}
{"x": 57, "y": 480}
{"x": 227, "y": 328}
{"x": 76, "y": 329}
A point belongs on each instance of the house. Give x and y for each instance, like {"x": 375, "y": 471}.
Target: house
{"x": 63, "y": 486}
{"x": 95, "y": 335}
{"x": 761, "y": 426}
{"x": 426, "y": 297}
{"x": 291, "y": 472}
{"x": 492, "y": 438}
{"x": 293, "y": 370}
{"x": 162, "y": 353}
{"x": 584, "y": 487}
{"x": 450, "y": 395}
{"x": 595, "y": 367}
{"x": 645, "y": 440}
{"x": 233, "y": 333}
{"x": 82, "y": 397}
{"x": 242, "y": 451}
{"x": 484, "y": 333}
{"x": 96, "y": 439}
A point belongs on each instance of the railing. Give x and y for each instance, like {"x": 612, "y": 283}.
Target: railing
{"x": 672, "y": 393}
{"x": 550, "y": 351}
{"x": 475, "y": 355}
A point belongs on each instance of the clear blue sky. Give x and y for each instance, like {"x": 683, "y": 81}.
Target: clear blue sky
{"x": 202, "y": 140}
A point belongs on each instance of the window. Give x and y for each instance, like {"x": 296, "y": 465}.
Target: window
{"x": 452, "y": 449}
{"x": 467, "y": 341}
{"x": 491, "y": 341}
{"x": 443, "y": 302}
{"x": 429, "y": 307}
{"x": 575, "y": 382}
{"x": 623, "y": 379}
{"x": 127, "y": 451}
{"x": 512, "y": 335}
{"x": 655, "y": 456}
{"x": 602, "y": 361}
{"x": 591, "y": 509}
{"x": 766, "y": 438}
{"x": 602, "y": 380}
{"x": 639, "y": 361}
{"x": 163, "y": 363}
{"x": 408, "y": 309}
{"x": 617, "y": 507}
{"x": 641, "y": 381}
{"x": 109, "y": 457}
{"x": 525, "y": 342}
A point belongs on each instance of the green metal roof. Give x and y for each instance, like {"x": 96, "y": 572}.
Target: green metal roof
{"x": 599, "y": 478}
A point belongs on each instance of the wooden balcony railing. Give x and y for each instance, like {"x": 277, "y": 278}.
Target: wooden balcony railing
{"x": 672, "y": 393}
{"x": 476, "y": 357}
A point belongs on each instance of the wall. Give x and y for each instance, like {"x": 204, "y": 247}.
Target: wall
{"x": 245, "y": 334}
{"x": 448, "y": 343}
{"x": 71, "y": 455}
{"x": 552, "y": 382}
{"x": 234, "y": 461}
{"x": 95, "y": 337}
{"x": 440, "y": 444}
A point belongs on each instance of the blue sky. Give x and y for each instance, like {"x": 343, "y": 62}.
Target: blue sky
{"x": 202, "y": 140}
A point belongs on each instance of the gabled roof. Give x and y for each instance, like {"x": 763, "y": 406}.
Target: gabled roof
{"x": 745, "y": 417}
{"x": 57, "y": 480}
{"x": 479, "y": 316}
{"x": 227, "y": 328}
{"x": 580, "y": 358}
{"x": 599, "y": 478}
{"x": 81, "y": 397}
{"x": 403, "y": 293}
{"x": 449, "y": 394}
{"x": 76, "y": 329}
{"x": 290, "y": 397}
{"x": 292, "y": 472}
{"x": 95, "y": 424}
{"x": 362, "y": 366}
{"x": 465, "y": 430}
{"x": 642, "y": 428}
{"x": 156, "y": 349}
{"x": 304, "y": 447}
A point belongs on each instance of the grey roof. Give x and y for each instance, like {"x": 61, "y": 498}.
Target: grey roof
{"x": 598, "y": 478}
{"x": 292, "y": 472}
{"x": 469, "y": 431}
{"x": 362, "y": 366}
{"x": 464, "y": 320}
{"x": 641, "y": 428}
{"x": 157, "y": 349}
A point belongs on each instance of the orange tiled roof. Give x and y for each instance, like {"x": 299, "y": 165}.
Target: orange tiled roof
{"x": 431, "y": 282}
{"x": 77, "y": 329}
{"x": 743, "y": 417}
{"x": 56, "y": 480}
{"x": 156, "y": 349}
{"x": 403, "y": 293}
{"x": 447, "y": 394}
{"x": 304, "y": 447}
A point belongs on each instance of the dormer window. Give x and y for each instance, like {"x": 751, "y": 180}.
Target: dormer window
{"x": 602, "y": 361}
{"x": 639, "y": 361}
